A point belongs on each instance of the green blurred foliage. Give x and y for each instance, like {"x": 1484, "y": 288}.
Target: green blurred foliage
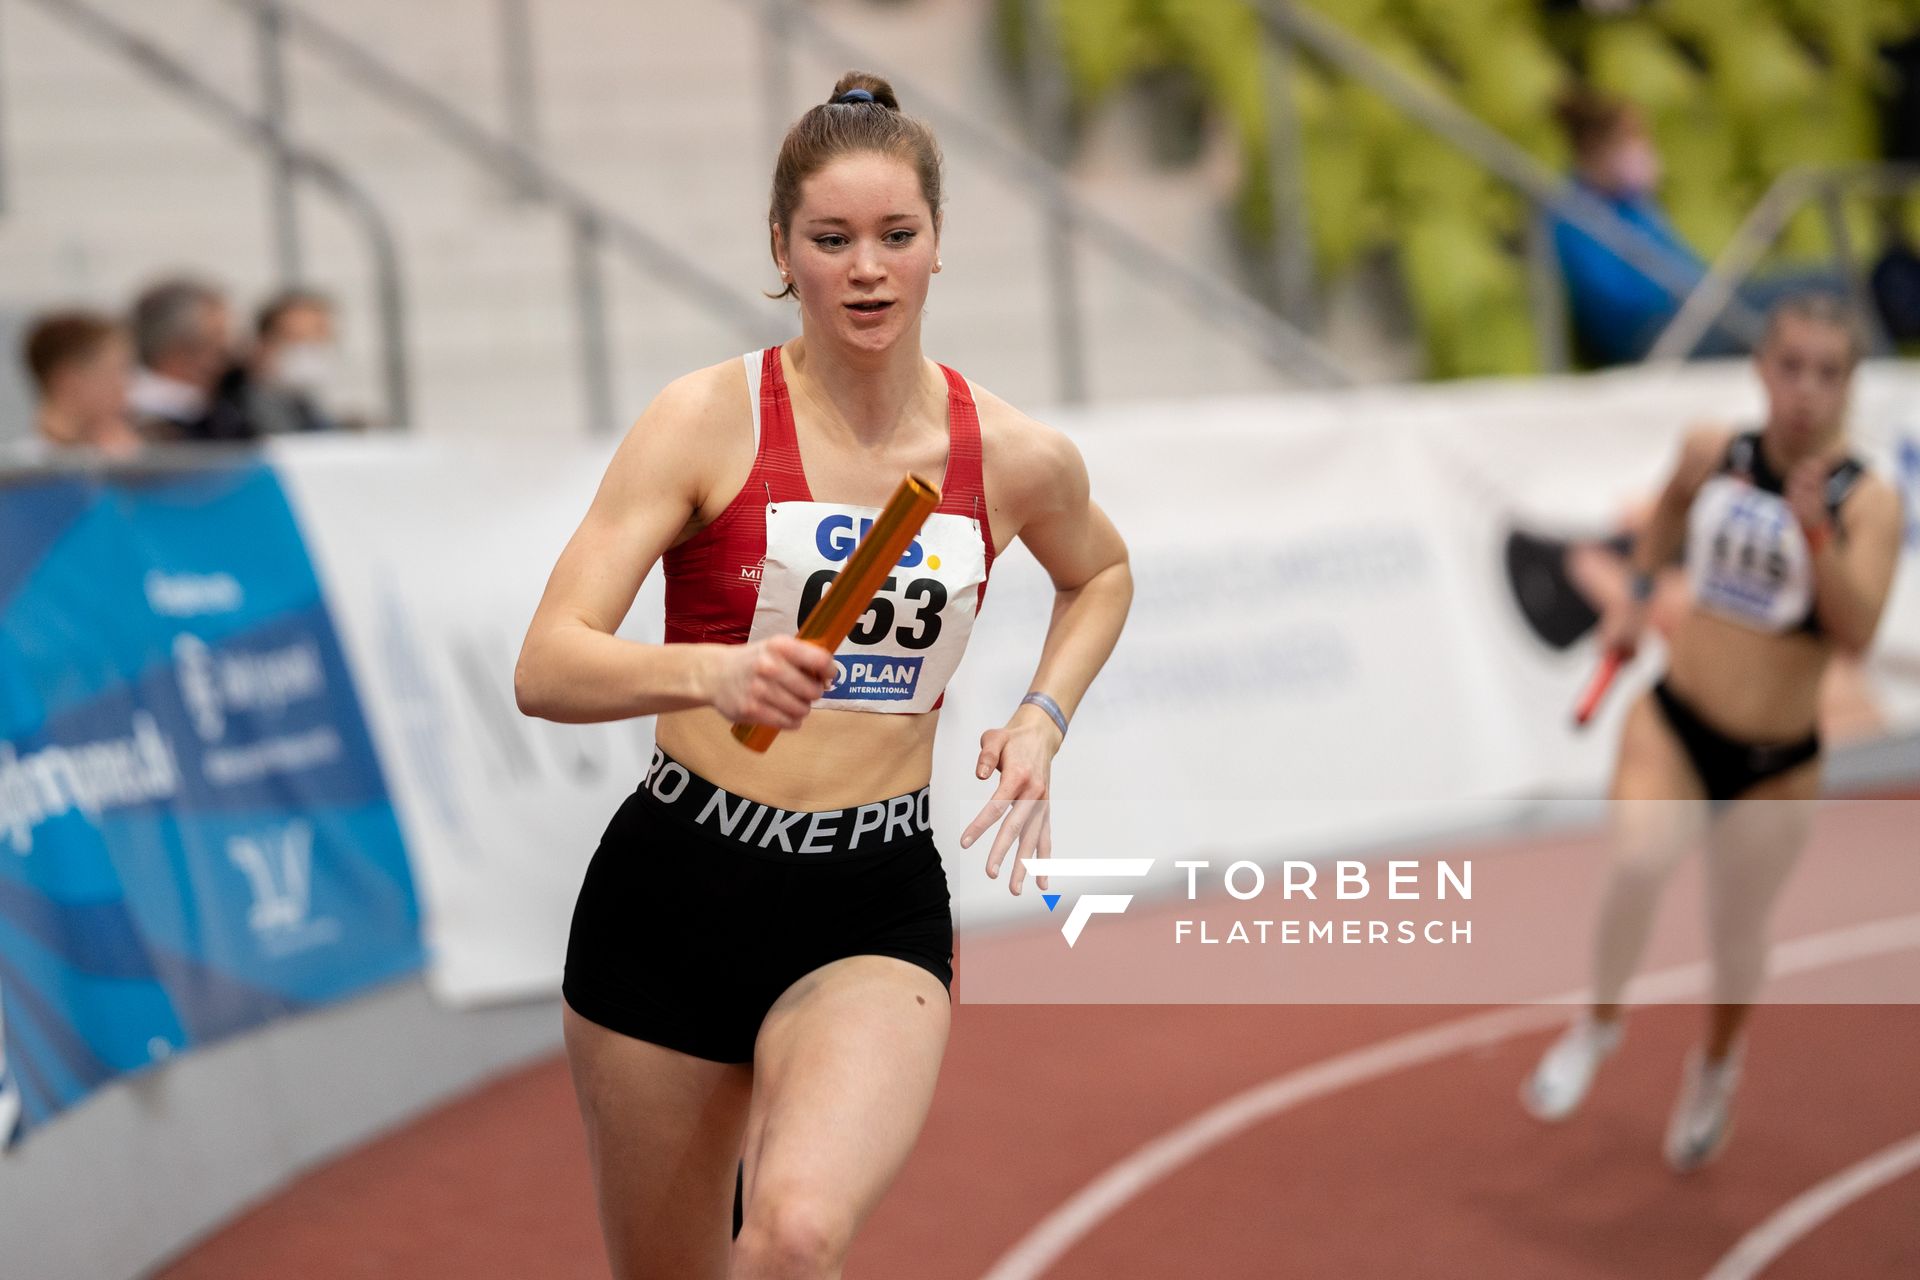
{"x": 1737, "y": 93}
{"x": 1469, "y": 297}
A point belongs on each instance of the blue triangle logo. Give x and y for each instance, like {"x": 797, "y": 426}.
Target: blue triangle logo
{"x": 1052, "y": 900}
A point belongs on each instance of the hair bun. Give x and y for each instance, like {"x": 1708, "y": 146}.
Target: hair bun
{"x": 863, "y": 86}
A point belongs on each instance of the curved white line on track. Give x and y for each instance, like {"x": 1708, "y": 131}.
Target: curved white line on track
{"x": 1766, "y": 1242}
{"x": 1066, "y": 1226}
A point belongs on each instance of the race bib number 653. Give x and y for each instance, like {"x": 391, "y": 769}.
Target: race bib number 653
{"x": 902, "y": 651}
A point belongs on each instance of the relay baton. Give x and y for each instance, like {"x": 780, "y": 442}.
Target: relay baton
{"x": 852, "y": 592}
{"x": 1609, "y": 667}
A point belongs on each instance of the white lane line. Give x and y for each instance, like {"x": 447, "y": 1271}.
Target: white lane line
{"x": 1766, "y": 1242}
{"x": 1066, "y": 1226}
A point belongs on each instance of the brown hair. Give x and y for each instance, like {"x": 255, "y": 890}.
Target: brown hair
{"x": 1591, "y": 117}
{"x": 63, "y": 338}
{"x": 268, "y": 317}
{"x": 838, "y": 127}
{"x": 1828, "y": 310}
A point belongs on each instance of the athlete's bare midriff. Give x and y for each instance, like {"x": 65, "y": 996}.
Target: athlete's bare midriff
{"x": 835, "y": 760}
{"x": 1748, "y": 684}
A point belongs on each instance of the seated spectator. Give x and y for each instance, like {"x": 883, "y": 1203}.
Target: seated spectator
{"x": 1895, "y": 280}
{"x": 1618, "y": 310}
{"x": 82, "y": 366}
{"x": 180, "y": 331}
{"x": 293, "y": 368}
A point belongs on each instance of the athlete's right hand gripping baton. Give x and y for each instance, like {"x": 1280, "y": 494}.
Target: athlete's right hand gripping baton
{"x": 851, "y": 594}
{"x": 1610, "y": 664}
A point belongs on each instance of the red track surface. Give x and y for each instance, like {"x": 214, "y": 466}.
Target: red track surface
{"x": 1433, "y": 1172}
{"x": 1429, "y": 1171}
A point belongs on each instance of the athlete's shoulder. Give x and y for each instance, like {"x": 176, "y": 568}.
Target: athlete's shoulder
{"x": 705, "y": 397}
{"x": 1702, "y": 450}
{"x": 1709, "y": 440}
{"x": 677, "y": 444}
{"x": 1016, "y": 443}
{"x": 1872, "y": 501}
{"x": 694, "y": 417}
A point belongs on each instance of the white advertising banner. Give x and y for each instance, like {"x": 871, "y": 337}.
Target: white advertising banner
{"x": 1339, "y": 634}
{"x": 433, "y": 559}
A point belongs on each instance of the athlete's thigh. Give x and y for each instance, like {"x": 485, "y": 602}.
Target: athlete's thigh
{"x": 1657, "y": 803}
{"x": 844, "y": 1071}
{"x": 1755, "y": 842}
{"x": 663, "y": 1133}
{"x": 1651, "y": 763}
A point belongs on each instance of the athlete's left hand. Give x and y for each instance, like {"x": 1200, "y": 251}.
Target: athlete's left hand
{"x": 1807, "y": 495}
{"x": 1023, "y": 753}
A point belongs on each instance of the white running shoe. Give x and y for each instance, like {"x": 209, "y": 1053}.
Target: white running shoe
{"x": 1703, "y": 1113}
{"x": 1559, "y": 1084}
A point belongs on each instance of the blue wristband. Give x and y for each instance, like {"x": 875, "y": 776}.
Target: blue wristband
{"x": 1049, "y": 706}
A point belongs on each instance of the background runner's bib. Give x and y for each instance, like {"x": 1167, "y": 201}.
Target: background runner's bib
{"x": 904, "y": 649}
{"x": 1747, "y": 557}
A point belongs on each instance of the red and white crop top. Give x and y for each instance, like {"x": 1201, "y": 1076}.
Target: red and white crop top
{"x": 765, "y": 561}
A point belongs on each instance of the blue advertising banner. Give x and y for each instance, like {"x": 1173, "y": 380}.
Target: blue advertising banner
{"x": 195, "y": 834}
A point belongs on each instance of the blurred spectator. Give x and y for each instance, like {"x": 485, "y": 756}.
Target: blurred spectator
{"x": 1895, "y": 282}
{"x": 1618, "y": 311}
{"x": 81, "y": 363}
{"x": 294, "y": 367}
{"x": 180, "y": 330}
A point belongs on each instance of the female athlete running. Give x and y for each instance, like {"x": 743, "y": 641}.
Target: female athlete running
{"x": 760, "y": 954}
{"x": 1791, "y": 548}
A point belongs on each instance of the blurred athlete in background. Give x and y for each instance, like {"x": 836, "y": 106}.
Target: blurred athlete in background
{"x": 1790, "y": 548}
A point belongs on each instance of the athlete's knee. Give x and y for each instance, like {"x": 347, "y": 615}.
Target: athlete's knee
{"x": 1636, "y": 877}
{"x": 790, "y": 1236}
{"x": 1739, "y": 965}
{"x": 1646, "y": 852}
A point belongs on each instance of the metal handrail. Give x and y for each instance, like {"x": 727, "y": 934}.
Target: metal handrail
{"x": 517, "y": 76}
{"x": 1069, "y": 219}
{"x": 270, "y": 43}
{"x": 261, "y": 131}
{"x": 1790, "y": 193}
{"x": 592, "y": 223}
{"x": 1550, "y": 192}
{"x": 5, "y": 194}
{"x": 30, "y": 457}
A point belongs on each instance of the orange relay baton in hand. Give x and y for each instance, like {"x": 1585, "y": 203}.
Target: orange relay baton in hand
{"x": 853, "y": 591}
